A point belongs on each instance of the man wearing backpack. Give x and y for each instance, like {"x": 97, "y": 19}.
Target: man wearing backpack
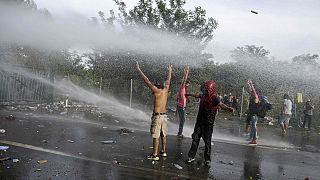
{"x": 285, "y": 114}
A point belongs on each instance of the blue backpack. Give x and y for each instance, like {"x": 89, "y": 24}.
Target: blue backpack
{"x": 263, "y": 107}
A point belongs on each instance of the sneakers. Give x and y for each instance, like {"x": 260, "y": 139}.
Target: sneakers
{"x": 153, "y": 157}
{"x": 163, "y": 154}
{"x": 207, "y": 163}
{"x": 253, "y": 143}
{"x": 190, "y": 160}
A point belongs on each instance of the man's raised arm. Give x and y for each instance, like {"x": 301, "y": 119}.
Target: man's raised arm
{"x": 185, "y": 76}
{"x": 253, "y": 91}
{"x": 145, "y": 78}
{"x": 167, "y": 85}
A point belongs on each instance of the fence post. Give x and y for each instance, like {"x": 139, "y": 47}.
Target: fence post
{"x": 130, "y": 92}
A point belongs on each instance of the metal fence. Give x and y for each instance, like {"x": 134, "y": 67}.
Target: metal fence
{"x": 16, "y": 88}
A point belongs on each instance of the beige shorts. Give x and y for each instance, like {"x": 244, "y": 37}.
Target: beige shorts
{"x": 158, "y": 125}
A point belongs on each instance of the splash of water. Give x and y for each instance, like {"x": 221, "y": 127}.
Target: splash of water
{"x": 107, "y": 103}
{"x": 25, "y": 27}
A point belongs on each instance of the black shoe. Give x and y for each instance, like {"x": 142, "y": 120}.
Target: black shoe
{"x": 180, "y": 136}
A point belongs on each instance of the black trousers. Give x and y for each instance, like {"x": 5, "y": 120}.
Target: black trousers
{"x": 307, "y": 118}
{"x": 204, "y": 131}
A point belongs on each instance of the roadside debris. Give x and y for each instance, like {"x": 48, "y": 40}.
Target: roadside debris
{"x": 178, "y": 166}
{"x": 3, "y": 148}
{"x": 15, "y": 160}
{"x": 5, "y": 159}
{"x": 222, "y": 162}
{"x": 108, "y": 142}
{"x": 42, "y": 161}
{"x": 44, "y": 141}
{"x": 40, "y": 126}
{"x": 11, "y": 118}
{"x": 2, "y": 131}
{"x": 37, "y": 170}
{"x": 116, "y": 162}
{"x": 270, "y": 123}
{"x": 125, "y": 131}
{"x": 231, "y": 163}
{"x": 70, "y": 141}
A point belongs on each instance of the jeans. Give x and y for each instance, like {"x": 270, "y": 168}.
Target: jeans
{"x": 203, "y": 131}
{"x": 253, "y": 125}
{"x": 182, "y": 117}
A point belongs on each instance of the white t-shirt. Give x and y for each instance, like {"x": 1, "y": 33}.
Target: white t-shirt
{"x": 287, "y": 106}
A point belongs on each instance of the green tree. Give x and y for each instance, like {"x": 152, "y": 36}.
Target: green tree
{"x": 306, "y": 59}
{"x": 170, "y": 17}
{"x": 250, "y": 53}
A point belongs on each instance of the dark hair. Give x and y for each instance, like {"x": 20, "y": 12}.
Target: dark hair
{"x": 285, "y": 96}
{"x": 158, "y": 85}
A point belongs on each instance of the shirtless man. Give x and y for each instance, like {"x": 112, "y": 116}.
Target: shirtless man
{"x": 159, "y": 118}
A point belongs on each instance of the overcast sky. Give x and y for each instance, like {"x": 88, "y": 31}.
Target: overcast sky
{"x": 284, "y": 27}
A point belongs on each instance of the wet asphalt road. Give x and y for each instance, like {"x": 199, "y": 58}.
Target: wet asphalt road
{"x": 73, "y": 150}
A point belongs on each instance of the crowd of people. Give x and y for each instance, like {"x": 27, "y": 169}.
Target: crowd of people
{"x": 210, "y": 104}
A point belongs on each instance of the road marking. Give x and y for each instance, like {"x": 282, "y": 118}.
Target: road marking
{"x": 166, "y": 172}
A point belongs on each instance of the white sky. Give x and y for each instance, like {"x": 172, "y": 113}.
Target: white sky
{"x": 286, "y": 28}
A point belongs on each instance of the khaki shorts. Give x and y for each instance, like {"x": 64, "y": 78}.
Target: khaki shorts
{"x": 284, "y": 119}
{"x": 158, "y": 125}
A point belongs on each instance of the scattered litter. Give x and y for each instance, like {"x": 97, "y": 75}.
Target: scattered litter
{"x": 37, "y": 170}
{"x": 70, "y": 141}
{"x": 3, "y": 148}
{"x": 116, "y": 121}
{"x": 15, "y": 160}
{"x": 5, "y": 159}
{"x": 153, "y": 162}
{"x": 62, "y": 113}
{"x": 116, "y": 162}
{"x": 270, "y": 123}
{"x": 80, "y": 153}
{"x": 104, "y": 127}
{"x": 178, "y": 166}
{"x": 44, "y": 141}
{"x": 11, "y": 118}
{"x": 212, "y": 144}
{"x": 40, "y": 126}
{"x": 2, "y": 131}
{"x": 125, "y": 131}
{"x": 150, "y": 147}
{"x": 231, "y": 163}
{"x": 222, "y": 162}
{"x": 42, "y": 161}
{"x": 108, "y": 142}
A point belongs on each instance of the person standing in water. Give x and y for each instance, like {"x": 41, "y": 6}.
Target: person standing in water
{"x": 182, "y": 101}
{"x": 209, "y": 105}
{"x": 308, "y": 113}
{"x": 159, "y": 117}
{"x": 285, "y": 114}
{"x": 252, "y": 118}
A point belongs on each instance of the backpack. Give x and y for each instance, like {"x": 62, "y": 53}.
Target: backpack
{"x": 263, "y": 107}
